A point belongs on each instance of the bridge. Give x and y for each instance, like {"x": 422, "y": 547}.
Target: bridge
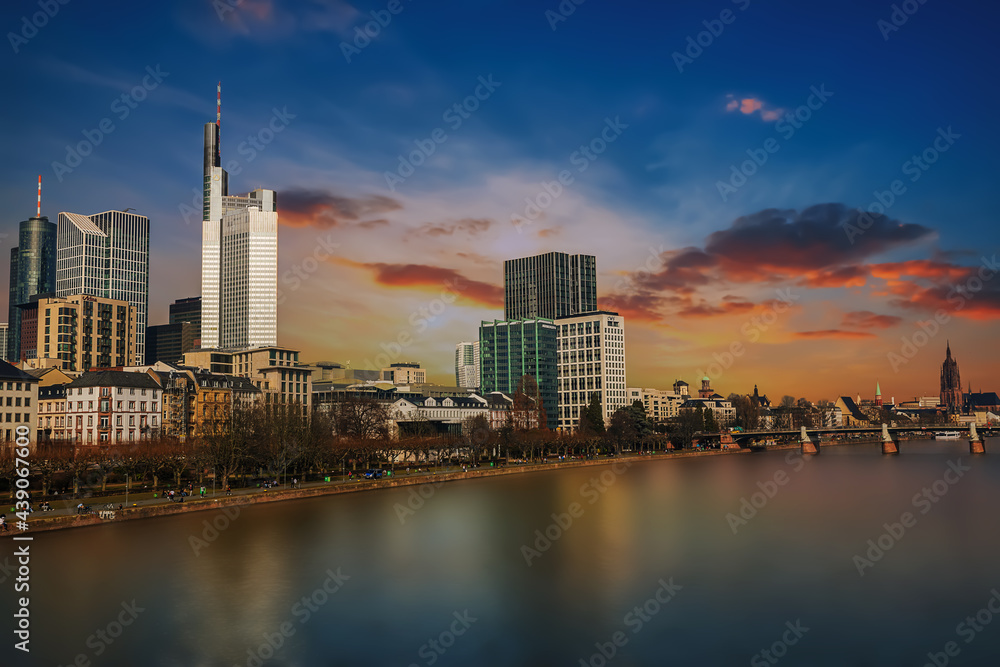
{"x": 809, "y": 437}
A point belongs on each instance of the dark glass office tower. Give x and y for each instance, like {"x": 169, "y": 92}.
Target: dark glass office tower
{"x": 552, "y": 285}
{"x": 32, "y": 272}
{"x": 510, "y": 350}
{"x": 187, "y": 310}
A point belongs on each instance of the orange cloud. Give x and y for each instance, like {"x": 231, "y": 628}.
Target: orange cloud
{"x": 750, "y": 105}
{"x": 834, "y": 333}
{"x": 431, "y": 278}
{"x": 301, "y": 207}
{"x": 866, "y": 319}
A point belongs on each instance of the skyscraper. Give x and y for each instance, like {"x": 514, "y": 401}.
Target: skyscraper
{"x": 951, "y": 383}
{"x": 591, "y": 361}
{"x": 551, "y": 285}
{"x": 239, "y": 256}
{"x": 32, "y": 271}
{"x": 467, "y": 364}
{"x": 510, "y": 350}
{"x": 106, "y": 255}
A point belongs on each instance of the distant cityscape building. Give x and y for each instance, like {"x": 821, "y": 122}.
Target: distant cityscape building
{"x": 3, "y": 341}
{"x": 951, "y": 384}
{"x": 32, "y": 271}
{"x": 722, "y": 408}
{"x": 78, "y": 332}
{"x": 549, "y": 286}
{"x": 239, "y": 268}
{"x": 106, "y": 255}
{"x": 274, "y": 370}
{"x": 591, "y": 349}
{"x": 188, "y": 310}
{"x": 511, "y": 349}
{"x": 19, "y": 401}
{"x": 878, "y": 395}
{"x": 660, "y": 405}
{"x": 467, "y": 364}
{"x": 408, "y": 372}
{"x": 169, "y": 342}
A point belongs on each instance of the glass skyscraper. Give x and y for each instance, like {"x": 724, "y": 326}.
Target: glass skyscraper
{"x": 551, "y": 285}
{"x": 32, "y": 271}
{"x": 106, "y": 255}
{"x": 509, "y": 350}
{"x": 239, "y": 257}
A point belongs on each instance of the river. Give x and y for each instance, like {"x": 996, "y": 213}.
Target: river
{"x": 656, "y": 563}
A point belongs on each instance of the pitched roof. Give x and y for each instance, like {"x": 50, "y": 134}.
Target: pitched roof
{"x": 853, "y": 408}
{"x": 240, "y": 383}
{"x": 114, "y": 379}
{"x": 987, "y": 399}
{"x": 11, "y": 372}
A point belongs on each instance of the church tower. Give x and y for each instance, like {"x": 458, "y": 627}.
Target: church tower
{"x": 951, "y": 384}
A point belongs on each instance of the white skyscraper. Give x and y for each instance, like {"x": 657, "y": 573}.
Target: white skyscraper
{"x": 106, "y": 255}
{"x": 591, "y": 361}
{"x": 467, "y": 364}
{"x": 239, "y": 257}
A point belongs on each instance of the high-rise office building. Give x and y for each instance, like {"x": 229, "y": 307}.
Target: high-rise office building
{"x": 106, "y": 255}
{"x": 550, "y": 286}
{"x": 239, "y": 265}
{"x": 467, "y": 364}
{"x": 509, "y": 350}
{"x": 32, "y": 271}
{"x": 591, "y": 361}
{"x": 187, "y": 310}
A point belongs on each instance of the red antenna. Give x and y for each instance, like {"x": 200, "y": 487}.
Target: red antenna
{"x": 218, "y": 116}
{"x": 39, "y": 212}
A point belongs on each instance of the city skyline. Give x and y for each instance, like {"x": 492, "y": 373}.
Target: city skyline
{"x": 816, "y": 298}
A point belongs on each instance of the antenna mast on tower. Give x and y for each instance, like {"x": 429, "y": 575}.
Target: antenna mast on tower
{"x": 38, "y": 212}
{"x": 218, "y": 117}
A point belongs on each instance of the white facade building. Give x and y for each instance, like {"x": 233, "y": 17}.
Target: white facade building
{"x": 467, "y": 364}
{"x": 106, "y": 255}
{"x": 112, "y": 407}
{"x": 239, "y": 259}
{"x": 660, "y": 404}
{"x": 591, "y": 359}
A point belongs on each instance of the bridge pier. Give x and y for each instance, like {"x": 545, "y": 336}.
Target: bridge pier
{"x": 975, "y": 441}
{"x": 807, "y": 445}
{"x": 889, "y": 446}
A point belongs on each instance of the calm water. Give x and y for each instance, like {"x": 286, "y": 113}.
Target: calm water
{"x": 450, "y": 585}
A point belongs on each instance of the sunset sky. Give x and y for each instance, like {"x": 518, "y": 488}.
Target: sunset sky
{"x": 782, "y": 202}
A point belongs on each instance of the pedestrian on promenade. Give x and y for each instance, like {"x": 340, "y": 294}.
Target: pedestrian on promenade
{"x": 229, "y": 490}
{"x": 3, "y": 522}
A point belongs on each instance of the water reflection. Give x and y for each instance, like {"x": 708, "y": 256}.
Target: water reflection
{"x": 462, "y": 553}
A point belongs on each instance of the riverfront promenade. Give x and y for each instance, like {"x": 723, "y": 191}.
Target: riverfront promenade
{"x": 143, "y": 505}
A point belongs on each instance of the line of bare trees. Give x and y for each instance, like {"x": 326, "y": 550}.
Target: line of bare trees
{"x": 281, "y": 441}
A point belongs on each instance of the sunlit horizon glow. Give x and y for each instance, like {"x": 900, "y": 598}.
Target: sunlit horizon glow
{"x": 808, "y": 257}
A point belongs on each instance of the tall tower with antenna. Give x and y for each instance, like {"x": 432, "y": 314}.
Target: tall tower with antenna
{"x": 239, "y": 255}
{"x": 32, "y": 271}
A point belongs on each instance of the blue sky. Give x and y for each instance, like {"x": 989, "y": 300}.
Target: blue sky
{"x": 652, "y": 192}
